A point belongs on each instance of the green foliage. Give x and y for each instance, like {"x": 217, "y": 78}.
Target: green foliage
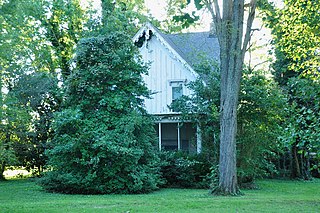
{"x": 40, "y": 93}
{"x": 123, "y": 15}
{"x": 37, "y": 42}
{"x": 106, "y": 74}
{"x": 103, "y": 139}
{"x": 295, "y": 32}
{"x": 305, "y": 108}
{"x": 260, "y": 118}
{"x": 185, "y": 171}
{"x": 302, "y": 126}
{"x": 63, "y": 29}
{"x": 202, "y": 107}
{"x": 179, "y": 17}
{"x": 13, "y": 129}
{"x": 48, "y": 31}
{"x": 7, "y": 157}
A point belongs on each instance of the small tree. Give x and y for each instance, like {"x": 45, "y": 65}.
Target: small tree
{"x": 39, "y": 93}
{"x": 13, "y": 130}
{"x": 103, "y": 139}
{"x": 260, "y": 120}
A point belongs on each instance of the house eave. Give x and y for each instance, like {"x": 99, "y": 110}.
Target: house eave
{"x": 174, "y": 117}
{"x": 148, "y": 26}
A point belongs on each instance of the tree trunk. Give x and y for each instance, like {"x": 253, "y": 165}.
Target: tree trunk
{"x": 2, "y": 168}
{"x": 233, "y": 43}
{"x": 295, "y": 170}
{"x": 227, "y": 163}
{"x": 228, "y": 124}
{"x": 305, "y": 165}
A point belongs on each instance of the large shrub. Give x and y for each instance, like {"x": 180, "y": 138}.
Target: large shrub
{"x": 260, "y": 116}
{"x": 103, "y": 138}
{"x": 185, "y": 171}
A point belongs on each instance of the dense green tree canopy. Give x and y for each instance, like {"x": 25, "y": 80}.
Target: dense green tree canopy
{"x": 37, "y": 42}
{"x": 296, "y": 39}
{"x": 296, "y": 36}
{"x": 13, "y": 130}
{"x": 39, "y": 35}
{"x": 104, "y": 139}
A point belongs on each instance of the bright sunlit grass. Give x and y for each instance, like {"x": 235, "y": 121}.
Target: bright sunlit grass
{"x": 274, "y": 196}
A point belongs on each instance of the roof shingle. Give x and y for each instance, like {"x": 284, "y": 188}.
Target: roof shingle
{"x": 194, "y": 47}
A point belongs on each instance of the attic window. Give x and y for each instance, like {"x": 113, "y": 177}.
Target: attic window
{"x": 176, "y": 90}
{"x": 145, "y": 36}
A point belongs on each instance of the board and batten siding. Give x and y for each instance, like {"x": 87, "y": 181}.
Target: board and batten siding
{"x": 164, "y": 67}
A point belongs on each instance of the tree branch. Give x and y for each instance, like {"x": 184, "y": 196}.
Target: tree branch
{"x": 217, "y": 9}
{"x": 258, "y": 64}
{"x": 209, "y": 4}
{"x": 213, "y": 7}
{"x": 250, "y": 19}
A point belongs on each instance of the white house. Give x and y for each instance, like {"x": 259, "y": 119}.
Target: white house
{"x": 171, "y": 58}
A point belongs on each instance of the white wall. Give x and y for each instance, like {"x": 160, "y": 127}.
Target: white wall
{"x": 164, "y": 68}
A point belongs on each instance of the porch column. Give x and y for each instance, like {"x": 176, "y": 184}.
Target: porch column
{"x": 179, "y": 140}
{"x": 160, "y": 136}
{"x": 199, "y": 139}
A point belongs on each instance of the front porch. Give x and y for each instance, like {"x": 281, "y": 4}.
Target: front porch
{"x": 175, "y": 134}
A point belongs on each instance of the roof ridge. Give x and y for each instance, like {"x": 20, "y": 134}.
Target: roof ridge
{"x": 183, "y": 33}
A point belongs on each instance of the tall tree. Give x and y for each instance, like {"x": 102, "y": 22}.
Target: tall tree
{"x": 103, "y": 140}
{"x": 233, "y": 29}
{"x": 233, "y": 45}
{"x": 296, "y": 37}
{"x": 38, "y": 39}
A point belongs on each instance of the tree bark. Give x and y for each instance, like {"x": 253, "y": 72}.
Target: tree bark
{"x": 233, "y": 43}
{"x": 295, "y": 170}
{"x": 2, "y": 168}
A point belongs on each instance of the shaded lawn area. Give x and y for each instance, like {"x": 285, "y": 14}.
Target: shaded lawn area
{"x": 274, "y": 196}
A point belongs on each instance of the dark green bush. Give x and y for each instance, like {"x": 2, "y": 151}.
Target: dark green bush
{"x": 185, "y": 171}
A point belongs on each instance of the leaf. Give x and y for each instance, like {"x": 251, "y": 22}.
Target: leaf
{"x": 198, "y": 4}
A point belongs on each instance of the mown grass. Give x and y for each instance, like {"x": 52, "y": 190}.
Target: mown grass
{"x": 274, "y": 196}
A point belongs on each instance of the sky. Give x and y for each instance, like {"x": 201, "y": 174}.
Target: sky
{"x": 157, "y": 8}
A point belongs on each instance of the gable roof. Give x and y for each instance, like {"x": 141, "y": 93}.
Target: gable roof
{"x": 194, "y": 47}
{"x": 189, "y": 48}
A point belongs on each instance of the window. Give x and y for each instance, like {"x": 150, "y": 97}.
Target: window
{"x": 177, "y": 91}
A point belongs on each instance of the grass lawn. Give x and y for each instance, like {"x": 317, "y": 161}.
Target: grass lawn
{"x": 274, "y": 196}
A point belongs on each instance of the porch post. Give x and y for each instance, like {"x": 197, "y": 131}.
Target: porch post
{"x": 160, "y": 136}
{"x": 179, "y": 141}
{"x": 199, "y": 139}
